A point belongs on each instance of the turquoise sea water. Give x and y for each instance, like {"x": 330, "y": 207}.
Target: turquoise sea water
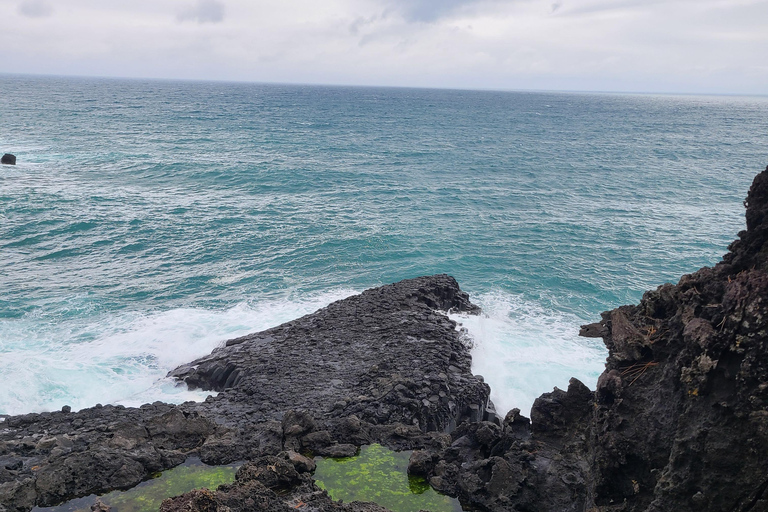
{"x": 147, "y": 221}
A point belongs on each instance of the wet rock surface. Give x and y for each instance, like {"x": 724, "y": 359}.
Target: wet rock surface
{"x": 385, "y": 356}
{"x": 384, "y": 366}
{"x": 679, "y": 419}
{"x": 270, "y": 483}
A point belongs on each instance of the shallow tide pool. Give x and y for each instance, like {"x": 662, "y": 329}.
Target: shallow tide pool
{"x": 148, "y": 495}
{"x": 380, "y": 475}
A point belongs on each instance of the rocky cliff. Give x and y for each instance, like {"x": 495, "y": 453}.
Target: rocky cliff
{"x": 679, "y": 420}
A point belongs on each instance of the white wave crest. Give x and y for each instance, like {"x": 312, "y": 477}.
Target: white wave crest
{"x": 122, "y": 358}
{"x": 523, "y": 350}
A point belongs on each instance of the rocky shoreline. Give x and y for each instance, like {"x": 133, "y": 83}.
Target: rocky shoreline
{"x": 679, "y": 419}
{"x": 383, "y": 366}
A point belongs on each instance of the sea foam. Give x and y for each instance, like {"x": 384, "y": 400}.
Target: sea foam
{"x": 122, "y": 358}
{"x": 523, "y": 349}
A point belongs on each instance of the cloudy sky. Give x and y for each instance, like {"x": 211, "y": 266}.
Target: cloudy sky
{"x": 694, "y": 46}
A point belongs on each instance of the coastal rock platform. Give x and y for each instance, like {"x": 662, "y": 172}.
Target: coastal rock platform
{"x": 384, "y": 366}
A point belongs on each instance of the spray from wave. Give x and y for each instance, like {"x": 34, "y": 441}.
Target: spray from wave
{"x": 523, "y": 350}
{"x": 122, "y": 358}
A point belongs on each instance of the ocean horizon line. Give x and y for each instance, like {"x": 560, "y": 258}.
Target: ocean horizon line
{"x": 343, "y": 85}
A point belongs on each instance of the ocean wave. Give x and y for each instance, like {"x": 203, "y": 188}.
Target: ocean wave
{"x": 122, "y": 358}
{"x": 523, "y": 349}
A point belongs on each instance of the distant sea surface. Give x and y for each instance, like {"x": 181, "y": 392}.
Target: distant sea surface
{"x": 148, "y": 221}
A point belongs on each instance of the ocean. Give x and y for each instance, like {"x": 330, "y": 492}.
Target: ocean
{"x": 148, "y": 221}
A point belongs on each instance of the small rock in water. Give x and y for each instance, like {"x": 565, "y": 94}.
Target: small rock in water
{"x": 8, "y": 159}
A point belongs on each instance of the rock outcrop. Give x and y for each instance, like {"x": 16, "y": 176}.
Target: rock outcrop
{"x": 384, "y": 366}
{"x": 679, "y": 419}
{"x": 385, "y": 356}
{"x": 8, "y": 159}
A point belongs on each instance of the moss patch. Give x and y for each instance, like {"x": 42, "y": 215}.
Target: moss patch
{"x": 147, "y": 496}
{"x": 380, "y": 475}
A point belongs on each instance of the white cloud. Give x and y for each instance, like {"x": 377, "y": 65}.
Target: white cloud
{"x": 203, "y": 11}
{"x": 630, "y": 45}
{"x": 35, "y": 8}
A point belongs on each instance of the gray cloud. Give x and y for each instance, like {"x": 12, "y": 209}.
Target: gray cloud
{"x": 599, "y": 6}
{"x": 35, "y": 9}
{"x": 711, "y": 46}
{"x": 428, "y": 10}
{"x": 360, "y": 23}
{"x": 204, "y": 11}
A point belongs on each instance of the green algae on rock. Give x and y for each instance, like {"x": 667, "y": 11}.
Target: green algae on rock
{"x": 147, "y": 496}
{"x": 380, "y": 475}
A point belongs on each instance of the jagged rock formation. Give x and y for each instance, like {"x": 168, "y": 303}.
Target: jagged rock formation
{"x": 679, "y": 420}
{"x": 682, "y": 409}
{"x": 383, "y": 366}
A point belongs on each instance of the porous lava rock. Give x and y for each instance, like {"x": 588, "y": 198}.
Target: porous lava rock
{"x": 679, "y": 419}
{"x": 50, "y": 457}
{"x": 384, "y": 366}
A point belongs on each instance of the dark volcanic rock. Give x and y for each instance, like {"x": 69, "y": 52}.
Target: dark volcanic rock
{"x": 679, "y": 420}
{"x": 266, "y": 484}
{"x": 57, "y": 456}
{"x": 681, "y": 417}
{"x": 8, "y": 159}
{"x": 383, "y": 366}
{"x": 384, "y": 356}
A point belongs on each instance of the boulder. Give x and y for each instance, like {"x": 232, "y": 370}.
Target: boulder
{"x": 8, "y": 159}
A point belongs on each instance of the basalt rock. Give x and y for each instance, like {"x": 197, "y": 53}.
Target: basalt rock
{"x": 517, "y": 465}
{"x": 679, "y": 419}
{"x": 681, "y": 413}
{"x": 384, "y": 366}
{"x": 385, "y": 356}
{"x": 51, "y": 457}
{"x": 381, "y": 366}
{"x": 270, "y": 484}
